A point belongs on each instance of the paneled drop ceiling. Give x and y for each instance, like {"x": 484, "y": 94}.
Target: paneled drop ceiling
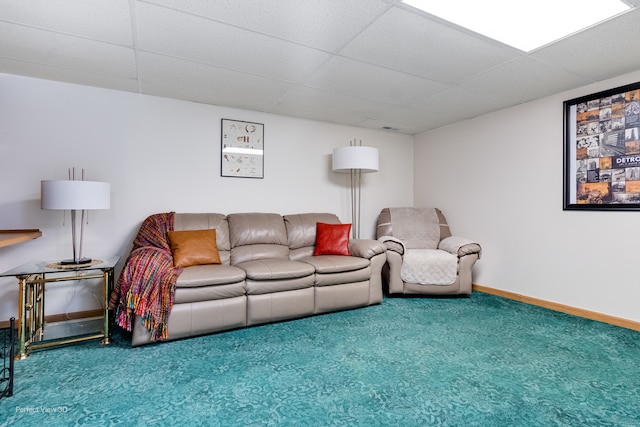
{"x": 368, "y": 63}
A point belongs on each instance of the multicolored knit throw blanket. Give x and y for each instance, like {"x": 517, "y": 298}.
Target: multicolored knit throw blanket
{"x": 147, "y": 284}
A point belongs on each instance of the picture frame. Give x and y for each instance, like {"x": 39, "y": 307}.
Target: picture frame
{"x": 602, "y": 151}
{"x": 241, "y": 149}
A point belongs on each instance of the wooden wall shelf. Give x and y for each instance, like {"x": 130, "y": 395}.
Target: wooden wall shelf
{"x": 11, "y": 237}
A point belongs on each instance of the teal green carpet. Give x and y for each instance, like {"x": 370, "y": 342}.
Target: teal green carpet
{"x": 479, "y": 361}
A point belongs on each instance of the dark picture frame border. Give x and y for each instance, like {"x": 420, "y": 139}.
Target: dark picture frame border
{"x": 241, "y": 149}
{"x": 606, "y": 134}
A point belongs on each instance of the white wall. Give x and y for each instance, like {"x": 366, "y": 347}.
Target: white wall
{"x": 498, "y": 179}
{"x": 162, "y": 155}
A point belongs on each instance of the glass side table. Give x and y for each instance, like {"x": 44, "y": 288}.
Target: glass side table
{"x": 32, "y": 277}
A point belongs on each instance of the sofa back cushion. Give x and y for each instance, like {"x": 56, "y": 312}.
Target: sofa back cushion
{"x": 256, "y": 236}
{"x": 205, "y": 221}
{"x": 418, "y": 228}
{"x": 301, "y": 232}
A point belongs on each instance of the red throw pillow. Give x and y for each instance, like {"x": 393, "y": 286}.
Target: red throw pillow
{"x": 332, "y": 239}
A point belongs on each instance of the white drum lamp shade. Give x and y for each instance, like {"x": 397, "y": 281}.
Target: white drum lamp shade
{"x": 72, "y": 195}
{"x": 75, "y": 195}
{"x": 364, "y": 159}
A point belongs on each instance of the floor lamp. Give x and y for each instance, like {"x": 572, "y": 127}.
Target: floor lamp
{"x": 355, "y": 160}
{"x": 75, "y": 195}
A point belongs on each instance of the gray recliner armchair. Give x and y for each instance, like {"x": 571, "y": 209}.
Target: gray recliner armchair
{"x": 422, "y": 255}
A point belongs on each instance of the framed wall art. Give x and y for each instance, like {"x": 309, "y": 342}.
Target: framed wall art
{"x": 242, "y": 149}
{"x": 602, "y": 150}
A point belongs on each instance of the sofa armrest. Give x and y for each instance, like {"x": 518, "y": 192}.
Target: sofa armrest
{"x": 459, "y": 246}
{"x": 392, "y": 244}
{"x": 365, "y": 248}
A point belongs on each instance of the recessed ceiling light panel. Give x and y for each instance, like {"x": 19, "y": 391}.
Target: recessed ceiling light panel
{"x": 524, "y": 25}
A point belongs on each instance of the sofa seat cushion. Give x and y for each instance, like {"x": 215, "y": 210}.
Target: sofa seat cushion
{"x": 276, "y": 269}
{"x": 326, "y": 264}
{"x": 209, "y": 282}
{"x": 209, "y": 293}
{"x": 206, "y": 275}
{"x": 334, "y": 270}
{"x": 333, "y": 279}
{"x": 261, "y": 287}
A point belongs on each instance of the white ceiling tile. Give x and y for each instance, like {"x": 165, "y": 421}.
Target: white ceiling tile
{"x": 105, "y": 20}
{"x": 309, "y": 102}
{"x": 421, "y": 46}
{"x": 459, "y": 104}
{"x": 181, "y": 35}
{"x": 54, "y": 49}
{"x": 522, "y": 80}
{"x": 11, "y": 66}
{"x": 605, "y": 50}
{"x": 185, "y": 94}
{"x": 200, "y": 81}
{"x": 319, "y": 114}
{"x": 403, "y": 117}
{"x": 315, "y": 98}
{"x": 401, "y": 120}
{"x": 327, "y": 24}
{"x": 371, "y": 82}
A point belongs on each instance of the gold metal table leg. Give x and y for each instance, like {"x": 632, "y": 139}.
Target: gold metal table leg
{"x": 38, "y": 311}
{"x": 22, "y": 322}
{"x": 106, "y": 278}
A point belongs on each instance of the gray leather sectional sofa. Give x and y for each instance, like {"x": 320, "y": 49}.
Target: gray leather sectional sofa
{"x": 267, "y": 273}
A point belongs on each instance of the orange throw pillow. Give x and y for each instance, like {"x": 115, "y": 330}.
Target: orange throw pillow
{"x": 194, "y": 247}
{"x": 332, "y": 239}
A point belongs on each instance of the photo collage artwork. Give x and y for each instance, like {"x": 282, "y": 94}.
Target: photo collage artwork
{"x": 608, "y": 149}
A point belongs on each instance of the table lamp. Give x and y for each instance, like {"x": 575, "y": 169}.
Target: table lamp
{"x": 75, "y": 195}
